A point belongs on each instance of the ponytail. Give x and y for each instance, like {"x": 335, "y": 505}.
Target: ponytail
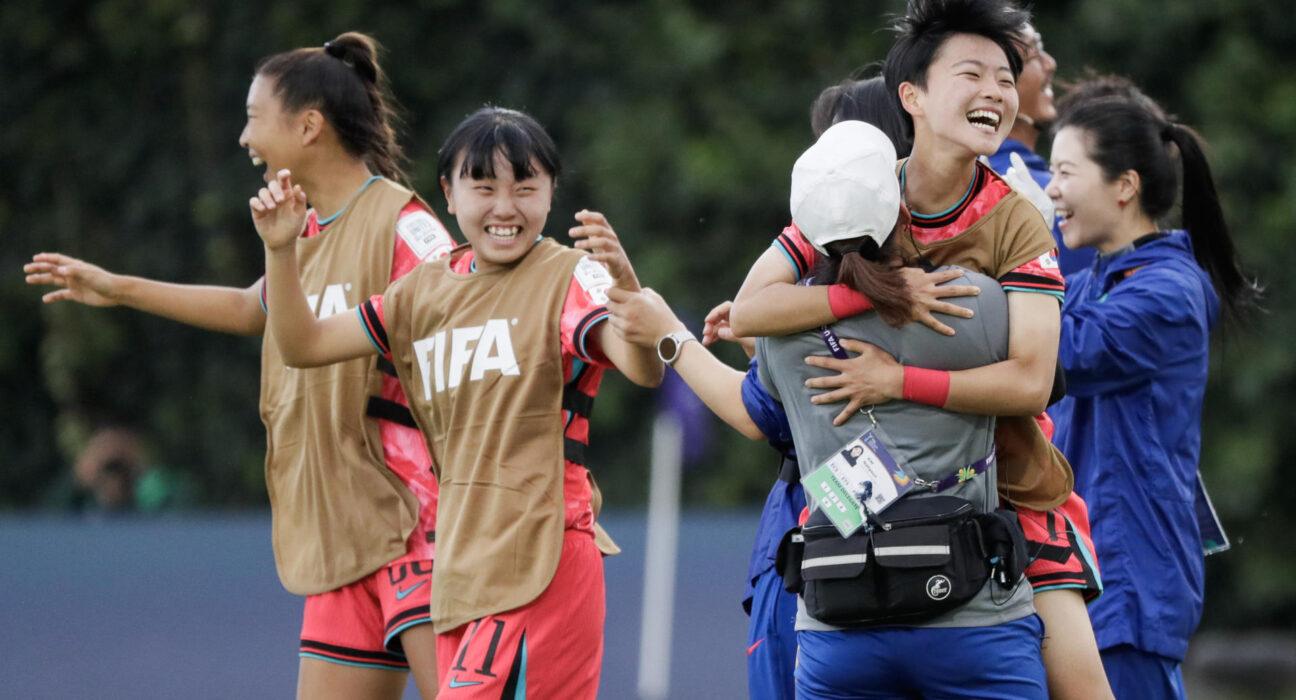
{"x": 1204, "y": 219}
{"x": 872, "y": 271}
{"x": 344, "y": 82}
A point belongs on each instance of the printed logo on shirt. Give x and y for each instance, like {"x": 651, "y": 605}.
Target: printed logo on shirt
{"x": 1048, "y": 261}
{"x": 424, "y": 235}
{"x": 333, "y": 301}
{"x": 444, "y": 357}
{"x": 594, "y": 279}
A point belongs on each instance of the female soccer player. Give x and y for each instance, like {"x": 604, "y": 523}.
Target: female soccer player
{"x": 501, "y": 349}
{"x": 1135, "y": 341}
{"x": 352, "y": 495}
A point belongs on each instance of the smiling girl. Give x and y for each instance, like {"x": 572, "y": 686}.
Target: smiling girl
{"x": 352, "y": 496}
{"x": 1135, "y": 343}
{"x": 501, "y": 348}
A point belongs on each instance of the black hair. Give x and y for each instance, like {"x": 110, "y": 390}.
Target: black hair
{"x": 343, "y": 81}
{"x": 516, "y": 135}
{"x": 927, "y": 24}
{"x": 865, "y": 100}
{"x": 1123, "y": 134}
{"x": 1094, "y": 85}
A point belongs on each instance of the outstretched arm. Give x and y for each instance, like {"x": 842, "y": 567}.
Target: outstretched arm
{"x": 279, "y": 212}
{"x": 639, "y": 364}
{"x": 643, "y": 318}
{"x": 1017, "y": 386}
{"x": 223, "y": 309}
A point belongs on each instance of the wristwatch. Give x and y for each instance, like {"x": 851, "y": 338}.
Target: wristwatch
{"x": 669, "y": 345}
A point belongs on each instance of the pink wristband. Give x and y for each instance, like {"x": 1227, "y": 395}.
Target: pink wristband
{"x": 926, "y": 386}
{"x": 845, "y": 302}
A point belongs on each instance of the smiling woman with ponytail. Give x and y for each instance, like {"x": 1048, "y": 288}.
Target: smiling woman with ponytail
{"x": 1135, "y": 345}
{"x": 345, "y": 83}
{"x": 352, "y": 495}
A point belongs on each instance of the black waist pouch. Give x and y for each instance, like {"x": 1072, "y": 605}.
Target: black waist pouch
{"x": 923, "y": 557}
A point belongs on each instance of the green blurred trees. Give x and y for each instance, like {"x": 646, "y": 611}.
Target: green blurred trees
{"x": 679, "y": 120}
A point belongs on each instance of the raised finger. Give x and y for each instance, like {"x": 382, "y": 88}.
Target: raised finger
{"x": 276, "y": 190}
{"x": 944, "y": 307}
{"x": 256, "y": 206}
{"x": 829, "y": 382}
{"x": 585, "y": 216}
{"x": 55, "y": 258}
{"x": 266, "y": 198}
{"x": 720, "y": 312}
{"x": 956, "y": 290}
{"x": 822, "y": 362}
{"x": 591, "y": 236}
{"x": 834, "y": 396}
{"x": 936, "y": 277}
{"x": 858, "y": 347}
{"x": 931, "y": 322}
{"x": 846, "y": 413}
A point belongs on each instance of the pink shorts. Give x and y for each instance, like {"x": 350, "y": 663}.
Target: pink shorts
{"x": 360, "y": 624}
{"x": 1060, "y": 549}
{"x": 551, "y": 647}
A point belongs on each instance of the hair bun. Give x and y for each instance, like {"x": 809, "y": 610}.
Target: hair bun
{"x": 357, "y": 51}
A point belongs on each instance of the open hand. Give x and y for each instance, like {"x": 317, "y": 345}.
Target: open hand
{"x": 279, "y": 211}
{"x": 927, "y": 289}
{"x": 716, "y": 327}
{"x": 595, "y": 235}
{"x": 870, "y": 378}
{"x": 78, "y": 280}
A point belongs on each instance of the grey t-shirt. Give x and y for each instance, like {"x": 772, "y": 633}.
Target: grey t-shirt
{"x": 931, "y": 441}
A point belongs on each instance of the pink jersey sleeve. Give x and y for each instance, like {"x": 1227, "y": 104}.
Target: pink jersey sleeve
{"x": 420, "y": 237}
{"x": 800, "y": 254}
{"x": 583, "y": 309}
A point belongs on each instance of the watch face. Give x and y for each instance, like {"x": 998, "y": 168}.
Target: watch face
{"x": 667, "y": 349}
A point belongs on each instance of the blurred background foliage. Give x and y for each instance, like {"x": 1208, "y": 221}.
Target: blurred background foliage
{"x": 679, "y": 120}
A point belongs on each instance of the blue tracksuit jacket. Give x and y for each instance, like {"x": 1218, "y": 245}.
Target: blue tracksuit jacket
{"x": 1135, "y": 339}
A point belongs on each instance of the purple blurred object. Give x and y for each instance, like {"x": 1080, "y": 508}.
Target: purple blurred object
{"x": 694, "y": 418}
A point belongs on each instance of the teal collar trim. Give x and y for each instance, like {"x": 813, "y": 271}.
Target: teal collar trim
{"x": 947, "y": 212}
{"x": 329, "y": 219}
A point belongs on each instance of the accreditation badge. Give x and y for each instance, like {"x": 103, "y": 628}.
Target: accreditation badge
{"x": 862, "y": 478}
